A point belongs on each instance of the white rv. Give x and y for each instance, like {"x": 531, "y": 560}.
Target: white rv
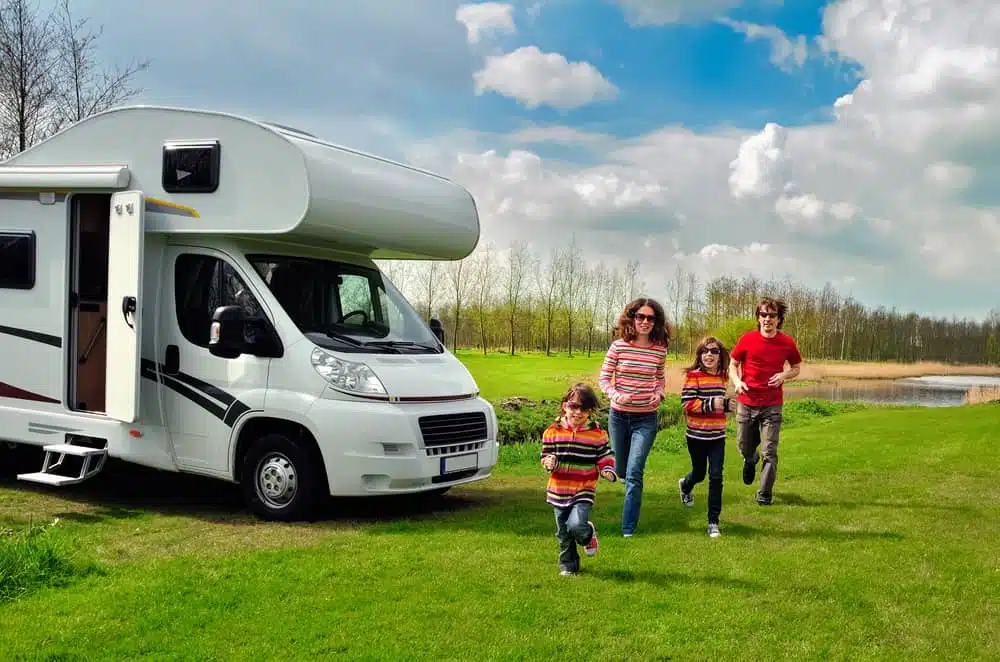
{"x": 194, "y": 291}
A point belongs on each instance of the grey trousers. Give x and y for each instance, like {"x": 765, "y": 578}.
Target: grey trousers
{"x": 760, "y": 426}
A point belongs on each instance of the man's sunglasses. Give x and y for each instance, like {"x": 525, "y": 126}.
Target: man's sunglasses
{"x": 770, "y": 316}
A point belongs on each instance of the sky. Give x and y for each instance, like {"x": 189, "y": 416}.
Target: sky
{"x": 852, "y": 142}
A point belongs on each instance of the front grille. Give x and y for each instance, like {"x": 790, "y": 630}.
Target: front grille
{"x": 448, "y": 429}
{"x": 473, "y": 447}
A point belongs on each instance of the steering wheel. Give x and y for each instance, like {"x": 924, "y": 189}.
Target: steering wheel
{"x": 351, "y": 314}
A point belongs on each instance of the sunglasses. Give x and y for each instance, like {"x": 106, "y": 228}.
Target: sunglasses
{"x": 641, "y": 317}
{"x": 711, "y": 350}
{"x": 770, "y": 316}
{"x": 575, "y": 406}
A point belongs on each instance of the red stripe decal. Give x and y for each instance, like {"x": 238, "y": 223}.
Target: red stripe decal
{"x": 8, "y": 391}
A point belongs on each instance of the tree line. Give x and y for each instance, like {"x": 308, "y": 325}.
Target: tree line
{"x": 513, "y": 299}
{"x": 51, "y": 75}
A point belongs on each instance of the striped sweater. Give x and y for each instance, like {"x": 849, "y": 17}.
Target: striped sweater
{"x": 704, "y": 421}
{"x": 580, "y": 457}
{"x": 637, "y": 372}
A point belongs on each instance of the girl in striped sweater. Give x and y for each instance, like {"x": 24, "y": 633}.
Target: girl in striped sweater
{"x": 705, "y": 403}
{"x": 574, "y": 451}
{"x": 633, "y": 378}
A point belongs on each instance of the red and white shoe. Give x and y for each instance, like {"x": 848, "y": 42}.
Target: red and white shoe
{"x": 591, "y": 547}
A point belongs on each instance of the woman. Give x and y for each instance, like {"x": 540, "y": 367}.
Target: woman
{"x": 633, "y": 378}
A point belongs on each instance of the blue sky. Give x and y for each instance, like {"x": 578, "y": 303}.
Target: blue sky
{"x": 675, "y": 166}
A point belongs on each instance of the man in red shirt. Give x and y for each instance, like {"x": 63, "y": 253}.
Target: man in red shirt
{"x": 757, "y": 369}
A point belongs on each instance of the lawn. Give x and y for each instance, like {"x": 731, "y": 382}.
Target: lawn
{"x": 881, "y": 545}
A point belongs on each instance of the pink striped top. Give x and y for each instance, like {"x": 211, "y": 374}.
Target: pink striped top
{"x": 637, "y": 372}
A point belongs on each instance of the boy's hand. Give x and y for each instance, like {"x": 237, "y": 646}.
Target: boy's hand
{"x": 609, "y": 474}
{"x": 549, "y": 462}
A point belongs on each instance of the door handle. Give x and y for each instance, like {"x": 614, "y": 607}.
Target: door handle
{"x": 128, "y": 306}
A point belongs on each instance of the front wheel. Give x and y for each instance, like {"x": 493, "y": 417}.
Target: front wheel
{"x": 279, "y": 479}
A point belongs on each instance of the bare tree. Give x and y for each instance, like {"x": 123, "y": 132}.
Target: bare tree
{"x": 548, "y": 281}
{"x": 573, "y": 274}
{"x": 27, "y": 83}
{"x": 596, "y": 287}
{"x": 429, "y": 272}
{"x": 457, "y": 273}
{"x": 518, "y": 263}
{"x": 82, "y": 88}
{"x": 482, "y": 288}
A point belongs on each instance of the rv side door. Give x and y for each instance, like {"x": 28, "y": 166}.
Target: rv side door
{"x": 124, "y": 325}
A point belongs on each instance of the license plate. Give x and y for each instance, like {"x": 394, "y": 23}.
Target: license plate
{"x": 459, "y": 463}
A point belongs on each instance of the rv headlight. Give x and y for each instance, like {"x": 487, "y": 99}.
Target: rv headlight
{"x": 346, "y": 375}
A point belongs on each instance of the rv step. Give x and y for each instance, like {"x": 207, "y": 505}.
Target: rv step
{"x": 92, "y": 463}
{"x": 49, "y": 479}
{"x": 69, "y": 449}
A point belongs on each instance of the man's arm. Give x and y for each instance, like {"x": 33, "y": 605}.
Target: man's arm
{"x": 793, "y": 371}
{"x": 736, "y": 376}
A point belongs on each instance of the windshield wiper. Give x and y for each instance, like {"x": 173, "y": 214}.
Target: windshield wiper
{"x": 343, "y": 337}
{"x": 395, "y": 344}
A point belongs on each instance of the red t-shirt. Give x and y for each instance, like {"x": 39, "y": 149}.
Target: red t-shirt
{"x": 761, "y": 358}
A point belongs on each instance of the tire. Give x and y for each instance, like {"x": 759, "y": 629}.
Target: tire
{"x": 280, "y": 479}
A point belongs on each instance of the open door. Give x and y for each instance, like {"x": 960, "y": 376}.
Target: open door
{"x": 124, "y": 327}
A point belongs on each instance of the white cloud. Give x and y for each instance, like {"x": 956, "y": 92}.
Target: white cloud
{"x": 535, "y": 78}
{"x": 486, "y": 18}
{"x": 662, "y": 12}
{"x": 786, "y": 53}
{"x": 759, "y": 168}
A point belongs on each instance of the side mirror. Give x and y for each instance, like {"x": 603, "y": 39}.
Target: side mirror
{"x": 225, "y": 337}
{"x": 437, "y": 329}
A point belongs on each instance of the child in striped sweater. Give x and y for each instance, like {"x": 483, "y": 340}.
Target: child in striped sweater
{"x": 574, "y": 451}
{"x": 705, "y": 403}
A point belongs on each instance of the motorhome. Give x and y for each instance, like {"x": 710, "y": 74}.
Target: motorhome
{"x": 197, "y": 292}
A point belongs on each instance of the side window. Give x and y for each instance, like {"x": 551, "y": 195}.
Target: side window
{"x": 17, "y": 260}
{"x": 203, "y": 283}
{"x": 355, "y": 295}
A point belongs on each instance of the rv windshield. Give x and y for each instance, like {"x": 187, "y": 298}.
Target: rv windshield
{"x": 344, "y": 306}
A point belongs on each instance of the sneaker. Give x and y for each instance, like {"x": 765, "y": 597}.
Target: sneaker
{"x": 626, "y": 535}
{"x": 750, "y": 469}
{"x": 591, "y": 547}
{"x": 686, "y": 497}
{"x": 567, "y": 573}
{"x": 762, "y": 500}
{"x": 713, "y": 531}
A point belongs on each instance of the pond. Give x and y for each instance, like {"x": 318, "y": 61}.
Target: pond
{"x": 928, "y": 391}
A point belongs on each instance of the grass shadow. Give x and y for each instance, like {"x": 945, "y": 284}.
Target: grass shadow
{"x": 667, "y": 579}
{"x": 824, "y": 534}
{"x": 793, "y": 499}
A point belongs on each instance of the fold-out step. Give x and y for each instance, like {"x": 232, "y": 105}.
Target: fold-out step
{"x": 93, "y": 462}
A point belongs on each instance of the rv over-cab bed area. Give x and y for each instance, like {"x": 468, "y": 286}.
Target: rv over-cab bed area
{"x": 210, "y": 172}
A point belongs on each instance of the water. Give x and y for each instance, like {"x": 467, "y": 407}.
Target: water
{"x": 928, "y": 391}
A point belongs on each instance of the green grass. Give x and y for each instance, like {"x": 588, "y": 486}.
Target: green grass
{"x": 530, "y": 375}
{"x": 881, "y": 545}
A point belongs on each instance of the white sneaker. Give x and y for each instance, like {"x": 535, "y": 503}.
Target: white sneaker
{"x": 686, "y": 497}
{"x": 713, "y": 531}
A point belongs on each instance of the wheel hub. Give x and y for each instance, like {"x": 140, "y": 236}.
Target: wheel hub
{"x": 276, "y": 480}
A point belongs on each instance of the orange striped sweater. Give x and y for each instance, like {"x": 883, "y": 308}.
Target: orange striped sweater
{"x": 704, "y": 421}
{"x": 581, "y": 455}
{"x": 637, "y": 372}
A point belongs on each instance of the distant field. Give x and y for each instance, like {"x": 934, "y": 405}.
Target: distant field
{"x": 537, "y": 376}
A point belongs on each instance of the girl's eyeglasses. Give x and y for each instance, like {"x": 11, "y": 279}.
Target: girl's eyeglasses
{"x": 575, "y": 406}
{"x": 711, "y": 350}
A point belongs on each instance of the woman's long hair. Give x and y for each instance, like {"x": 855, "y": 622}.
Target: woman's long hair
{"x": 723, "y": 356}
{"x": 660, "y": 335}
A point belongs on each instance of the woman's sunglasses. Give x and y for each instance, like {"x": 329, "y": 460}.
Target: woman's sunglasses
{"x": 642, "y": 317}
{"x": 711, "y": 350}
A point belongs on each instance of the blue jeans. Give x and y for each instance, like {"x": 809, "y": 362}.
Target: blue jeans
{"x": 631, "y": 439}
{"x": 572, "y": 529}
